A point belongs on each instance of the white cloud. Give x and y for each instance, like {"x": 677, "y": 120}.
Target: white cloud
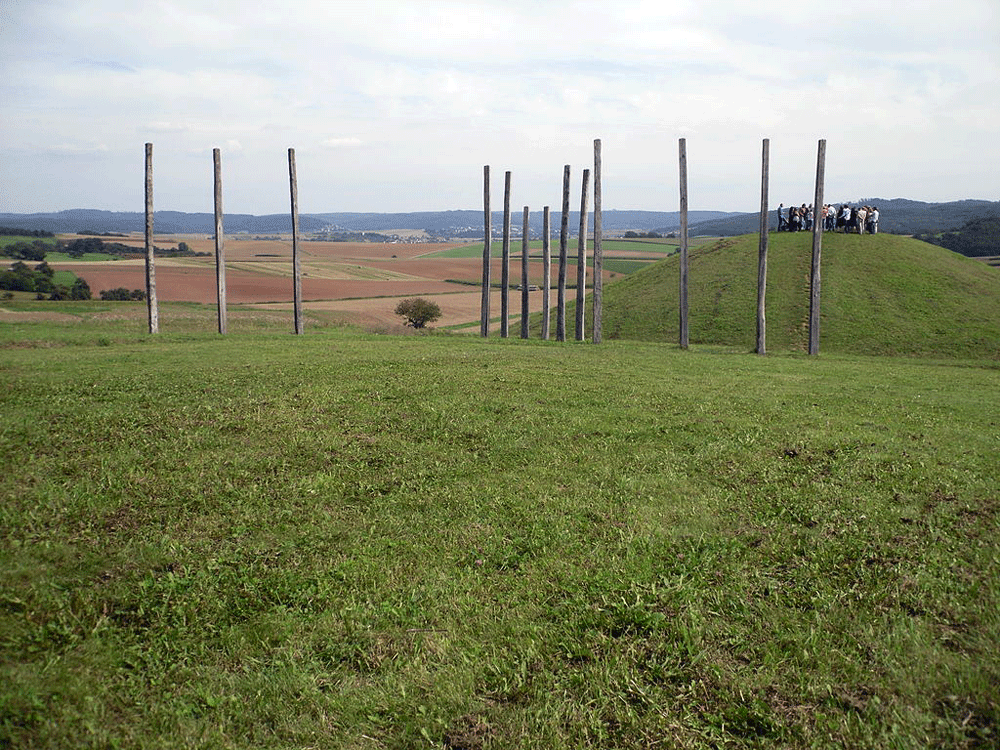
{"x": 441, "y": 87}
{"x": 341, "y": 142}
{"x": 76, "y": 149}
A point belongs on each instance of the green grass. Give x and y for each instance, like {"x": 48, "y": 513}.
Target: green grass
{"x": 349, "y": 541}
{"x": 880, "y": 295}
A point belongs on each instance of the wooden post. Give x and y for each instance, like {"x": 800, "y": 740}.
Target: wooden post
{"x": 546, "y": 272}
{"x": 581, "y": 257}
{"x": 598, "y": 248}
{"x": 505, "y": 263}
{"x": 762, "y": 249}
{"x": 817, "y": 250}
{"x": 293, "y": 184}
{"x": 151, "y": 303}
{"x": 683, "y": 301}
{"x": 525, "y": 237}
{"x": 220, "y": 248}
{"x": 484, "y": 314}
{"x": 563, "y": 240}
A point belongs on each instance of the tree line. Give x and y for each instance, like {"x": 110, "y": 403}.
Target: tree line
{"x": 41, "y": 280}
{"x": 976, "y": 238}
{"x": 15, "y": 232}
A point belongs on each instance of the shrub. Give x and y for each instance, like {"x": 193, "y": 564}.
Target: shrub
{"x": 418, "y": 311}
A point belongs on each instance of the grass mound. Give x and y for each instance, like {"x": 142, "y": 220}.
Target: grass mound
{"x": 881, "y": 295}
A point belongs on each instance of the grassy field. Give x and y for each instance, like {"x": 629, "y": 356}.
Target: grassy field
{"x": 352, "y": 541}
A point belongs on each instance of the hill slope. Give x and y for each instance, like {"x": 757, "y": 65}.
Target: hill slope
{"x": 880, "y": 295}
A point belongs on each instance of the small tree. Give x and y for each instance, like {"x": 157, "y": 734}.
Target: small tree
{"x": 418, "y": 311}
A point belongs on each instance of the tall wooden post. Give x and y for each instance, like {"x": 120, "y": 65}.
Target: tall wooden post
{"x": 152, "y": 307}
{"x": 525, "y": 239}
{"x": 505, "y": 264}
{"x": 581, "y": 258}
{"x": 293, "y": 184}
{"x": 762, "y": 249}
{"x": 484, "y": 313}
{"x": 546, "y": 272}
{"x": 563, "y": 241}
{"x": 220, "y": 248}
{"x": 683, "y": 300}
{"x": 817, "y": 250}
{"x": 598, "y": 248}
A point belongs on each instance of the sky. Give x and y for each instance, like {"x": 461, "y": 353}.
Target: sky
{"x": 397, "y": 106}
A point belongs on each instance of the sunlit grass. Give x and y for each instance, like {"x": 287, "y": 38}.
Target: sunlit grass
{"x": 264, "y": 540}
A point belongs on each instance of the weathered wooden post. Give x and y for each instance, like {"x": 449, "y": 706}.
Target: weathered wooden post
{"x": 581, "y": 257}
{"x": 683, "y": 300}
{"x": 546, "y": 272}
{"x": 484, "y": 313}
{"x": 762, "y": 249}
{"x": 817, "y": 249}
{"x": 151, "y": 303}
{"x": 525, "y": 236}
{"x": 563, "y": 241}
{"x": 505, "y": 263}
{"x": 293, "y": 184}
{"x": 598, "y": 248}
{"x": 220, "y": 248}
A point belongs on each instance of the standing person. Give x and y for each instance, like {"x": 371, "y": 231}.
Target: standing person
{"x": 844, "y": 220}
{"x": 782, "y": 223}
{"x": 873, "y": 220}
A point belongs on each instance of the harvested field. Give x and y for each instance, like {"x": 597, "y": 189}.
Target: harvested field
{"x": 456, "y": 308}
{"x": 361, "y": 281}
{"x": 244, "y": 249}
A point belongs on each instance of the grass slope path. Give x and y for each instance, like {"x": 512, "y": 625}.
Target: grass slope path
{"x": 881, "y": 295}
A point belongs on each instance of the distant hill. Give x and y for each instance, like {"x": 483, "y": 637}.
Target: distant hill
{"x": 882, "y": 294}
{"x": 898, "y": 216}
{"x": 448, "y": 223}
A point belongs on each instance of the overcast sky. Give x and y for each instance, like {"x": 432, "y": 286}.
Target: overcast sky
{"x": 396, "y": 106}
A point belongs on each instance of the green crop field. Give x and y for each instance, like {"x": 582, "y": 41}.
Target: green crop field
{"x": 341, "y": 540}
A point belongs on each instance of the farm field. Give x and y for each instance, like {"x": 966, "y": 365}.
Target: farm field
{"x": 359, "y": 282}
{"x": 345, "y": 540}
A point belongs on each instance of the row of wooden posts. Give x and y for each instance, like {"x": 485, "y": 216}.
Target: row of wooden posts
{"x": 581, "y": 276}
{"x": 683, "y": 329}
{"x": 581, "y": 267}
{"x": 220, "y": 257}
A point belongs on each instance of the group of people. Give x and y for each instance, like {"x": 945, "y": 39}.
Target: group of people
{"x": 843, "y": 218}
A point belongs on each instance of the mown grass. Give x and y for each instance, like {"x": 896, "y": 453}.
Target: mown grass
{"x": 25, "y": 323}
{"x": 348, "y": 541}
